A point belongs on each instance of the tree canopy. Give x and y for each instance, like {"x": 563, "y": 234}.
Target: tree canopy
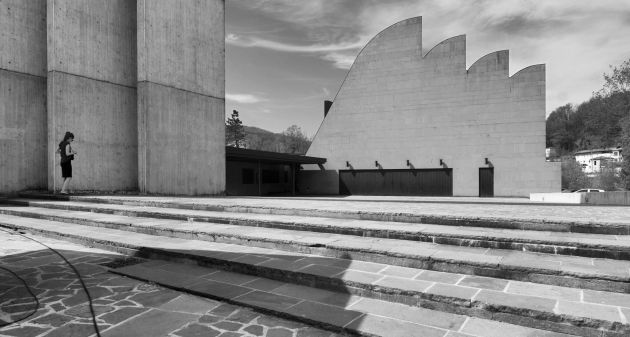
{"x": 234, "y": 131}
{"x": 602, "y": 121}
{"x": 292, "y": 140}
{"x": 597, "y": 122}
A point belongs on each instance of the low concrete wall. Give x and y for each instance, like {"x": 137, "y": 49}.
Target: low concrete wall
{"x": 318, "y": 182}
{"x": 593, "y": 198}
{"x": 560, "y": 198}
{"x": 608, "y": 198}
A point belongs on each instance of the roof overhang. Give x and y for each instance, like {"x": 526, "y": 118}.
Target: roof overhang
{"x": 238, "y": 154}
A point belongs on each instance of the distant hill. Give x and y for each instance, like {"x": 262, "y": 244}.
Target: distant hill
{"x": 265, "y": 140}
{"x": 256, "y": 130}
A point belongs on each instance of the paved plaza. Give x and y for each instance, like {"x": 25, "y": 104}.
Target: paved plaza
{"x": 124, "y": 307}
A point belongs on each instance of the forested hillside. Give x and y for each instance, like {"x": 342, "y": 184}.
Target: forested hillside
{"x": 602, "y": 121}
{"x": 595, "y": 123}
{"x": 292, "y": 140}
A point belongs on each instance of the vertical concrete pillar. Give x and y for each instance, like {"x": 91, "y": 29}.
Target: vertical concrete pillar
{"x": 92, "y": 91}
{"x": 181, "y": 96}
{"x": 22, "y": 95}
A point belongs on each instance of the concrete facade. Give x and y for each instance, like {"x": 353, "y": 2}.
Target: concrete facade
{"x": 117, "y": 74}
{"x": 397, "y": 104}
{"x": 181, "y": 96}
{"x": 22, "y": 95}
{"x": 92, "y": 92}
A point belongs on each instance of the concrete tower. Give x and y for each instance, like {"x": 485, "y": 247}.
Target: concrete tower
{"x": 139, "y": 83}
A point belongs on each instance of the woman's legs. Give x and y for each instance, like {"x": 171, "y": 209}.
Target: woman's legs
{"x": 66, "y": 184}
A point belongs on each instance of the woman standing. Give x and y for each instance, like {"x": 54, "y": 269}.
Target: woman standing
{"x": 67, "y": 155}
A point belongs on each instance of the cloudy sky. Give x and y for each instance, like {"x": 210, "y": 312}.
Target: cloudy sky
{"x": 285, "y": 57}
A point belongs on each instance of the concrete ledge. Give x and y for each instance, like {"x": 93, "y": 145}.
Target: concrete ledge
{"x": 558, "y": 198}
{"x": 592, "y": 198}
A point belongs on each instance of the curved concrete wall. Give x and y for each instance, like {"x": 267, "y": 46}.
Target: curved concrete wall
{"x": 397, "y": 105}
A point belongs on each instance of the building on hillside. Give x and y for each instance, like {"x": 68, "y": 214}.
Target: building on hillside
{"x": 593, "y": 161}
{"x": 404, "y": 123}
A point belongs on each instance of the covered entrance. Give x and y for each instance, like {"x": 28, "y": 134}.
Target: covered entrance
{"x": 258, "y": 173}
{"x": 420, "y": 182}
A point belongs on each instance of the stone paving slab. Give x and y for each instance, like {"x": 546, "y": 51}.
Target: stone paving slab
{"x": 570, "y": 216}
{"x": 532, "y": 240}
{"x": 130, "y": 308}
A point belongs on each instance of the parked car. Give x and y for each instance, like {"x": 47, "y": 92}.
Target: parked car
{"x": 588, "y": 190}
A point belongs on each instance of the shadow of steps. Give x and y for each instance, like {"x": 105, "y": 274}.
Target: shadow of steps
{"x": 561, "y": 243}
{"x": 333, "y": 310}
{"x": 564, "y": 310}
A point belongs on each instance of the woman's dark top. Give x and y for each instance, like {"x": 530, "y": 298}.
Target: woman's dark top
{"x": 64, "y": 156}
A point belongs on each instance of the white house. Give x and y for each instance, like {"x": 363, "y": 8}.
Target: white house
{"x": 593, "y": 161}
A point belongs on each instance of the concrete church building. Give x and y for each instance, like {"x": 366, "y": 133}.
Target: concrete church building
{"x": 141, "y": 84}
{"x": 404, "y": 123}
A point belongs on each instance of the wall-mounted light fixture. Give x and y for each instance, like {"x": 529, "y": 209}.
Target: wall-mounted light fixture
{"x": 408, "y": 163}
{"x": 347, "y": 163}
{"x": 486, "y": 161}
{"x": 441, "y": 162}
{"x": 376, "y": 163}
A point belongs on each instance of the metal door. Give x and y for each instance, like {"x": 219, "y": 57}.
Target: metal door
{"x": 486, "y": 182}
{"x": 421, "y": 182}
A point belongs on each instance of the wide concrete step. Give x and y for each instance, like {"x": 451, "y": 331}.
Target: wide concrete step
{"x": 509, "y": 216}
{"x": 572, "y": 271}
{"x": 562, "y": 243}
{"x": 561, "y": 309}
{"x": 341, "y": 311}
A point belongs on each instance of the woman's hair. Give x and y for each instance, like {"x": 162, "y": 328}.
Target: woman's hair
{"x": 68, "y": 135}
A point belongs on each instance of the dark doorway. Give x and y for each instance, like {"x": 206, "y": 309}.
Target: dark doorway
{"x": 486, "y": 182}
{"x": 421, "y": 182}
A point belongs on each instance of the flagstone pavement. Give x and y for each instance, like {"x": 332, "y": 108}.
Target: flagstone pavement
{"x": 122, "y": 306}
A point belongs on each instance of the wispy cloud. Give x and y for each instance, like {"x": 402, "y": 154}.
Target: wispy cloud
{"x": 239, "y": 41}
{"x": 244, "y": 98}
{"x": 341, "y": 60}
